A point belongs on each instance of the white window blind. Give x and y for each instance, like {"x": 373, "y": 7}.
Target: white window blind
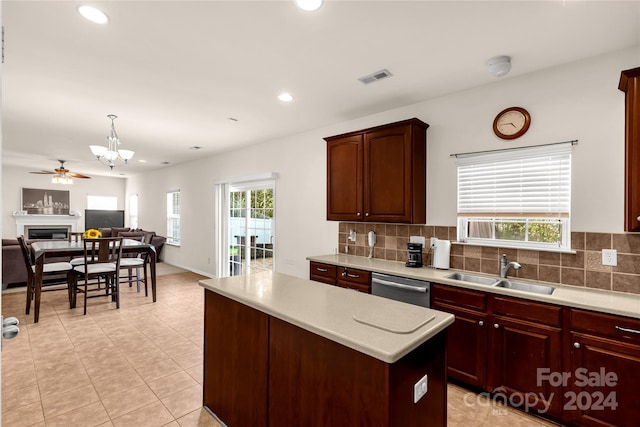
{"x": 519, "y": 183}
{"x": 173, "y": 217}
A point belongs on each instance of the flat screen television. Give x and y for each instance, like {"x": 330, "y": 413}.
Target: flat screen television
{"x": 97, "y": 218}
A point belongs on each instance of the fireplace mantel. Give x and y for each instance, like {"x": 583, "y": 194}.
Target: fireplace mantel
{"x": 45, "y": 221}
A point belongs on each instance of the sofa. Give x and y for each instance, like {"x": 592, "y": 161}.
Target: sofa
{"x": 15, "y": 272}
{"x": 137, "y": 234}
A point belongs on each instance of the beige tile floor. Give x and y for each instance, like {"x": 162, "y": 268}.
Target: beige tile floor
{"x": 137, "y": 366}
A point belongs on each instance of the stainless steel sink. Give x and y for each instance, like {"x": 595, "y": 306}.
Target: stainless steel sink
{"x": 480, "y": 280}
{"x": 525, "y": 287}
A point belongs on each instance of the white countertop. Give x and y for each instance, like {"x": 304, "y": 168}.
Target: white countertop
{"x": 572, "y": 296}
{"x": 379, "y": 327}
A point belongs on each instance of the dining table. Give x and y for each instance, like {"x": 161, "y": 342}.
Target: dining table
{"x": 43, "y": 249}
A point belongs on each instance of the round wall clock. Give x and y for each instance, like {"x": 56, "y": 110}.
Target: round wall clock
{"x": 511, "y": 123}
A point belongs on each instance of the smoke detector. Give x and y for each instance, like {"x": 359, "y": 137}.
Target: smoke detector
{"x": 498, "y": 66}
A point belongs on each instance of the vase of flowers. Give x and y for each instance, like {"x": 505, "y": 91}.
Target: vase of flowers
{"x": 91, "y": 233}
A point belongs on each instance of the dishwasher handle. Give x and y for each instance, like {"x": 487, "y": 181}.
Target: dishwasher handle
{"x": 400, "y": 285}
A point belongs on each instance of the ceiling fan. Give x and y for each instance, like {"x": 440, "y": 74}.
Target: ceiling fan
{"x": 62, "y": 175}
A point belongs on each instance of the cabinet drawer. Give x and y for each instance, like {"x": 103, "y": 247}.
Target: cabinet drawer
{"x": 353, "y": 275}
{"x": 528, "y": 310}
{"x": 616, "y": 327}
{"x": 324, "y": 273}
{"x": 459, "y": 297}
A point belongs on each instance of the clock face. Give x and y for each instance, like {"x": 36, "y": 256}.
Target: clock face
{"x": 511, "y": 123}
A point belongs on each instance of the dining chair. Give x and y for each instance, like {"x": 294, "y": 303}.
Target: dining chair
{"x": 101, "y": 260}
{"x": 48, "y": 269}
{"x": 137, "y": 261}
{"x": 76, "y": 237}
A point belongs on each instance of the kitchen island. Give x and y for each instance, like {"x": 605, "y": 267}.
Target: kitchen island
{"x": 284, "y": 351}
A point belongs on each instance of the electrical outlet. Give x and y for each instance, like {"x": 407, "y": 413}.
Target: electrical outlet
{"x": 352, "y": 235}
{"x": 417, "y": 239}
{"x": 420, "y": 389}
{"x": 609, "y": 257}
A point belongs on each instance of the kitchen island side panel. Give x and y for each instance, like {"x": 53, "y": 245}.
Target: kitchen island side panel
{"x": 262, "y": 371}
{"x": 316, "y": 382}
{"x": 235, "y": 361}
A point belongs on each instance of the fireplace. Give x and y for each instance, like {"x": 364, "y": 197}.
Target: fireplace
{"x": 35, "y": 232}
{"x": 51, "y": 224}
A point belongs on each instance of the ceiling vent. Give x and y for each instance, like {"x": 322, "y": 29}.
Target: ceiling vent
{"x": 374, "y": 77}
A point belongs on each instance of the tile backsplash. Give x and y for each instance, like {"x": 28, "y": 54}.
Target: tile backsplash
{"x": 584, "y": 268}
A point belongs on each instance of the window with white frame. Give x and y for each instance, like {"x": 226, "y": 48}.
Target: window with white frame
{"x": 173, "y": 217}
{"x": 517, "y": 198}
{"x": 133, "y": 211}
{"x": 109, "y": 203}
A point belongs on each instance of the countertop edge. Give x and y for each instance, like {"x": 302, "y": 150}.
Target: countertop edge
{"x": 431, "y": 329}
{"x": 608, "y": 302}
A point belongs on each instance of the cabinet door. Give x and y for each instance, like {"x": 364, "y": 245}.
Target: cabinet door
{"x": 603, "y": 403}
{"x": 630, "y": 84}
{"x": 344, "y": 178}
{"x": 467, "y": 345}
{"x": 518, "y": 349}
{"x": 388, "y": 172}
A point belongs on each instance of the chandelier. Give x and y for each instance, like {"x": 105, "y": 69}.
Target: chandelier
{"x": 111, "y": 155}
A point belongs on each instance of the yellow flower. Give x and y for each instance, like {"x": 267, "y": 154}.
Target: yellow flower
{"x": 91, "y": 233}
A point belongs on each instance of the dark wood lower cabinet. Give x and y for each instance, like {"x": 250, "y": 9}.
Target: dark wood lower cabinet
{"x": 467, "y": 358}
{"x": 604, "y": 362}
{"x": 520, "y": 352}
{"x": 498, "y": 344}
{"x": 262, "y": 371}
{"x": 612, "y": 398}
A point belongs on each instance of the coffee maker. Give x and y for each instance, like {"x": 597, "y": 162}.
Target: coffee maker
{"x": 415, "y": 255}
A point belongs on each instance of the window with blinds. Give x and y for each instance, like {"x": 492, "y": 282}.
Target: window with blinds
{"x": 516, "y": 198}
{"x": 173, "y": 217}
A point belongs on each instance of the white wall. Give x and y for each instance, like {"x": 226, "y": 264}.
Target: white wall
{"x": 576, "y": 101}
{"x": 15, "y": 178}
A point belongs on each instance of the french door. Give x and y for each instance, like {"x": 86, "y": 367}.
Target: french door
{"x": 251, "y": 217}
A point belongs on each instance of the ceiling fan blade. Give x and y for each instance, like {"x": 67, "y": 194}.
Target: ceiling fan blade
{"x": 77, "y": 175}
{"x": 45, "y": 172}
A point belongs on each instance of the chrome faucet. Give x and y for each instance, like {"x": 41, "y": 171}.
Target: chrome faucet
{"x": 505, "y": 267}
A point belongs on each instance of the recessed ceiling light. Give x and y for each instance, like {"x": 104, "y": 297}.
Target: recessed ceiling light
{"x": 142, "y": 161}
{"x": 309, "y": 5}
{"x": 93, "y": 14}
{"x": 285, "y": 97}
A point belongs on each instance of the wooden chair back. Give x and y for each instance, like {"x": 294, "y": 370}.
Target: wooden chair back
{"x": 103, "y": 250}
{"x": 26, "y": 255}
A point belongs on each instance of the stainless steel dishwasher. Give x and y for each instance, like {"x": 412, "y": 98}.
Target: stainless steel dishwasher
{"x": 412, "y": 291}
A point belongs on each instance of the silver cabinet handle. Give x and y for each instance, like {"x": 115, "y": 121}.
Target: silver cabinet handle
{"x": 481, "y": 323}
{"x": 495, "y": 325}
{"x": 367, "y": 214}
{"x": 358, "y": 214}
{"x": 322, "y": 270}
{"x": 423, "y": 289}
{"x": 633, "y": 331}
{"x": 638, "y": 218}
{"x": 576, "y": 344}
{"x": 355, "y": 276}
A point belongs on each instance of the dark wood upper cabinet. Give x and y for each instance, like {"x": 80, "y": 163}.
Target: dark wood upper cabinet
{"x": 378, "y": 174}
{"x": 630, "y": 85}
